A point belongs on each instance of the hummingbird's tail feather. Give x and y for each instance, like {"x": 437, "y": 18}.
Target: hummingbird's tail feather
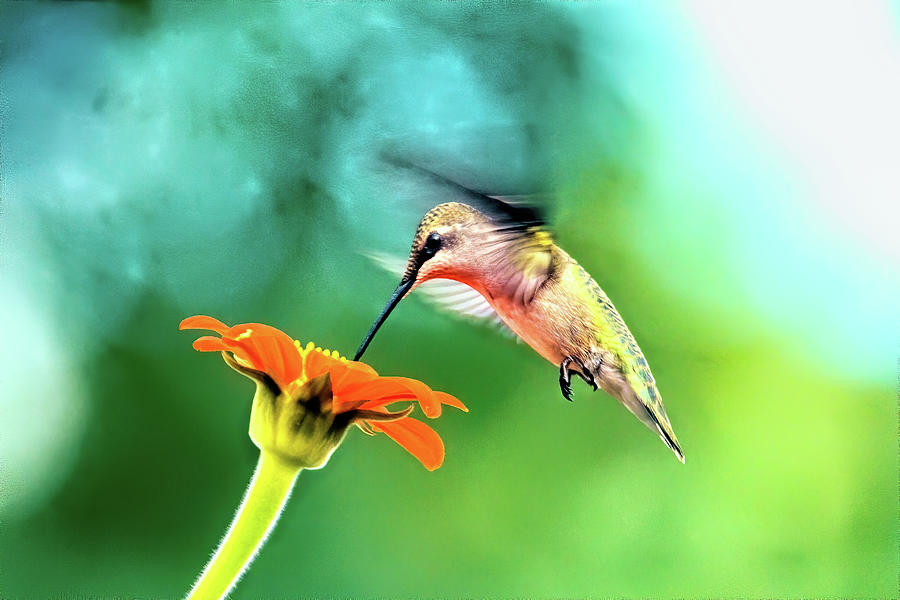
{"x": 667, "y": 436}
{"x": 653, "y": 415}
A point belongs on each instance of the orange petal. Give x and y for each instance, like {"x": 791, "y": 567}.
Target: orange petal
{"x": 383, "y": 402}
{"x": 255, "y": 329}
{"x": 376, "y": 389}
{"x": 268, "y": 349}
{"x": 346, "y": 374}
{"x": 246, "y": 352}
{"x": 317, "y": 363}
{"x": 430, "y": 405}
{"x": 208, "y": 343}
{"x": 449, "y": 400}
{"x": 362, "y": 367}
{"x": 204, "y": 322}
{"x": 280, "y": 356}
{"x": 419, "y": 439}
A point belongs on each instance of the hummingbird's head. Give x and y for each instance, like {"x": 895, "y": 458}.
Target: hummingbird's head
{"x": 445, "y": 246}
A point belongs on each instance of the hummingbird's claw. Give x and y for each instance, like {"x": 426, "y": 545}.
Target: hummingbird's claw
{"x": 565, "y": 379}
{"x": 588, "y": 377}
{"x": 565, "y": 376}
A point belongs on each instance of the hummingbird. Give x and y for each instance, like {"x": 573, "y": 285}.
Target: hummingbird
{"x": 501, "y": 262}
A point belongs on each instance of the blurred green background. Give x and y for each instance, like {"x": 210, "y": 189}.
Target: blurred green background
{"x": 725, "y": 176}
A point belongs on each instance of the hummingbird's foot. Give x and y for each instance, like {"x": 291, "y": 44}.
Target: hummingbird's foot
{"x": 586, "y": 375}
{"x": 589, "y": 379}
{"x": 565, "y": 378}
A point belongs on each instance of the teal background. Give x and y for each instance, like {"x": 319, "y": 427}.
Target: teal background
{"x": 164, "y": 160}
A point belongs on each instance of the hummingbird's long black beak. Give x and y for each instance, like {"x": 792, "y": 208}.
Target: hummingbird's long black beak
{"x": 405, "y": 284}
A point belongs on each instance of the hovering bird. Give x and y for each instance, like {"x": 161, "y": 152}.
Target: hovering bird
{"x": 503, "y": 264}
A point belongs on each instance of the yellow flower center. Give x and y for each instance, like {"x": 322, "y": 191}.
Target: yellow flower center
{"x": 304, "y": 352}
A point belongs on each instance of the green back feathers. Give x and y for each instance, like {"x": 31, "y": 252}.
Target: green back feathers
{"x": 614, "y": 336}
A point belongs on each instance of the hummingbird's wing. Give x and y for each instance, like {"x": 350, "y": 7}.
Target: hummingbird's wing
{"x": 451, "y": 296}
{"x": 461, "y": 300}
{"x": 512, "y": 212}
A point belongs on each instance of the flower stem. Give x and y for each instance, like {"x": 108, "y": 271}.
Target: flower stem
{"x": 259, "y": 511}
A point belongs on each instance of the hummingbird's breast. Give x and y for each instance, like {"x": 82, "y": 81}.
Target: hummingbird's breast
{"x": 546, "y": 310}
{"x": 532, "y": 326}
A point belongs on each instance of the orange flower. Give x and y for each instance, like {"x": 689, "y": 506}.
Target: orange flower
{"x": 348, "y": 392}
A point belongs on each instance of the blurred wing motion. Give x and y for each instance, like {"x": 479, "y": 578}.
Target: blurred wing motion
{"x": 450, "y": 296}
{"x": 510, "y": 211}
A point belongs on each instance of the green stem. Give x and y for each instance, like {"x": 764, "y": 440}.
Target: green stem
{"x": 266, "y": 496}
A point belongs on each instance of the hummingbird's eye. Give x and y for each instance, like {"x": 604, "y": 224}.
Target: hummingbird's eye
{"x": 432, "y": 243}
